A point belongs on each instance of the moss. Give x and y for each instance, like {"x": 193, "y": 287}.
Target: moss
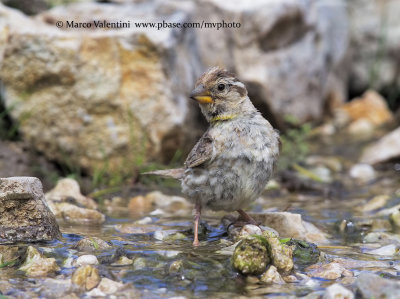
{"x": 250, "y": 256}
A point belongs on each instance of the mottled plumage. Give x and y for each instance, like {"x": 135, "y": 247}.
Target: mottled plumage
{"x": 230, "y": 165}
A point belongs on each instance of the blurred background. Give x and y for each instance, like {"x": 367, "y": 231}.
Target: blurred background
{"x": 102, "y": 105}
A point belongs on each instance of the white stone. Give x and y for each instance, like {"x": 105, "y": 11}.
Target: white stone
{"x": 87, "y": 259}
{"x": 337, "y": 291}
{"x": 362, "y": 173}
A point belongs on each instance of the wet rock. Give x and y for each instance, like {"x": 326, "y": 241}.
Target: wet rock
{"x": 337, "y": 291}
{"x": 329, "y": 271}
{"x": 24, "y": 214}
{"x": 291, "y": 225}
{"x": 304, "y": 253}
{"x": 395, "y": 218}
{"x": 136, "y": 228}
{"x": 375, "y": 203}
{"x": 371, "y": 107}
{"x": 250, "y": 256}
{"x": 56, "y": 288}
{"x": 10, "y": 255}
{"x": 370, "y": 285}
{"x": 69, "y": 190}
{"x": 36, "y": 265}
{"x": 86, "y": 277}
{"x": 84, "y": 69}
{"x": 168, "y": 235}
{"x": 280, "y": 254}
{"x": 91, "y": 244}
{"x": 122, "y": 261}
{"x": 386, "y": 148}
{"x": 362, "y": 173}
{"x": 86, "y": 259}
{"x": 139, "y": 263}
{"x": 108, "y": 286}
{"x": 76, "y": 215}
{"x": 175, "y": 267}
{"x": 388, "y": 250}
{"x": 382, "y": 238}
{"x": 272, "y": 276}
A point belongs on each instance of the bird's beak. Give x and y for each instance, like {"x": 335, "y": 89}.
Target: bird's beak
{"x": 201, "y": 95}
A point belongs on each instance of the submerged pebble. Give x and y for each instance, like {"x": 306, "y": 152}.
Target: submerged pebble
{"x": 272, "y": 276}
{"x": 337, "y": 291}
{"x": 37, "y": 265}
{"x": 86, "y": 277}
{"x": 86, "y": 259}
{"x": 329, "y": 271}
{"x": 91, "y": 244}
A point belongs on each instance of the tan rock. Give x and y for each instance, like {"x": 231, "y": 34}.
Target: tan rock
{"x": 291, "y": 225}
{"x": 67, "y": 189}
{"x": 371, "y": 106}
{"x": 86, "y": 277}
{"x": 272, "y": 276}
{"x": 108, "y": 286}
{"x": 36, "y": 265}
{"x": 329, "y": 271}
{"x": 74, "y": 214}
{"x": 101, "y": 100}
{"x": 139, "y": 205}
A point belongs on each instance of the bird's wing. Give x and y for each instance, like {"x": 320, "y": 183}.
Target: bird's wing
{"x": 201, "y": 152}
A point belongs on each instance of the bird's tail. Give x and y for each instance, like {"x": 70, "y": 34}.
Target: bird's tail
{"x": 176, "y": 173}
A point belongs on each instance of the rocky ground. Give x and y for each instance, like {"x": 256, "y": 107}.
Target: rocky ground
{"x": 100, "y": 105}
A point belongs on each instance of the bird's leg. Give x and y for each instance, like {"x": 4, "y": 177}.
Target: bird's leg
{"x": 197, "y": 213}
{"x": 246, "y": 217}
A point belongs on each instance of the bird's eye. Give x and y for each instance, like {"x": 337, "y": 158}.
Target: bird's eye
{"x": 221, "y": 87}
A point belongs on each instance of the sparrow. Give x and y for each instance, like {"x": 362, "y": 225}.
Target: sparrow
{"x": 232, "y": 162}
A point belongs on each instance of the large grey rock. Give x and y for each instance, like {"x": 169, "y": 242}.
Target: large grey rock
{"x": 24, "y": 215}
{"x": 289, "y": 53}
{"x": 375, "y": 47}
{"x": 100, "y": 100}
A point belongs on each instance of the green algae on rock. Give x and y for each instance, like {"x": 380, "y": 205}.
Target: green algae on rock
{"x": 250, "y": 256}
{"x": 304, "y": 253}
{"x": 91, "y": 244}
{"x": 280, "y": 254}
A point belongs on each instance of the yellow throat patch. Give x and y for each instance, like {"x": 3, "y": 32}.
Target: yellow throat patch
{"x": 222, "y": 118}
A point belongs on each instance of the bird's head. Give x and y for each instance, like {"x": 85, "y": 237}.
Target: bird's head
{"x": 220, "y": 95}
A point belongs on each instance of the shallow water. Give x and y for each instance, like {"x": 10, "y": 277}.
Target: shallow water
{"x": 206, "y": 273}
